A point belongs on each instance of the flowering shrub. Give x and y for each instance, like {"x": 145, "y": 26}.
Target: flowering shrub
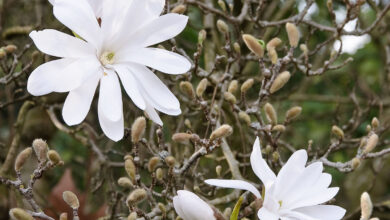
{"x": 150, "y": 109}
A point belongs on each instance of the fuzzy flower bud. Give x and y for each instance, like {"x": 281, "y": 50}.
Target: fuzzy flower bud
{"x": 366, "y": 206}
{"x": 22, "y": 158}
{"x": 152, "y": 164}
{"x": 54, "y": 157}
{"x": 159, "y": 174}
{"x": 2, "y": 53}
{"x": 237, "y": 47}
{"x": 230, "y": 97}
{"x": 243, "y": 116}
{"x": 170, "y": 161}
{"x": 222, "y": 4}
{"x": 222, "y": 26}
{"x": 355, "y": 163}
{"x": 223, "y": 131}
{"x": 233, "y": 86}
{"x": 293, "y": 112}
{"x": 132, "y": 216}
{"x": 372, "y": 141}
{"x": 280, "y": 81}
{"x": 138, "y": 129}
{"x": 187, "y": 88}
{"x": 64, "y": 216}
{"x": 137, "y": 196}
{"x": 71, "y": 199}
{"x": 375, "y": 123}
{"x": 274, "y": 43}
{"x": 19, "y": 214}
{"x": 181, "y": 137}
{"x": 125, "y": 182}
{"x": 201, "y": 36}
{"x": 271, "y": 113}
{"x": 247, "y": 85}
{"x": 254, "y": 45}
{"x": 130, "y": 167}
{"x": 180, "y": 9}
{"x": 304, "y": 49}
{"x": 218, "y": 170}
{"x": 279, "y": 128}
{"x": 338, "y": 132}
{"x": 40, "y": 148}
{"x": 293, "y": 34}
{"x": 201, "y": 87}
{"x": 10, "y": 48}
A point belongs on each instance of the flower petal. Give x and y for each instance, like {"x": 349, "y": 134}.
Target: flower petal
{"x": 191, "y": 207}
{"x": 110, "y": 96}
{"x": 155, "y": 7}
{"x": 59, "y": 44}
{"x": 235, "y": 184}
{"x": 78, "y": 16}
{"x": 314, "y": 197}
{"x": 323, "y": 212}
{"x": 152, "y": 114}
{"x": 112, "y": 129}
{"x": 112, "y": 17}
{"x": 79, "y": 101}
{"x": 97, "y": 7}
{"x": 260, "y": 166}
{"x": 159, "y": 59}
{"x": 130, "y": 85}
{"x": 264, "y": 214}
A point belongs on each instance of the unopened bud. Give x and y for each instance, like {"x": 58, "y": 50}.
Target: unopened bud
{"x": 233, "y": 86}
{"x": 180, "y": 9}
{"x": 254, "y": 45}
{"x": 54, "y": 157}
{"x": 268, "y": 149}
{"x": 19, "y": 214}
{"x": 186, "y": 88}
{"x": 230, "y": 97}
{"x": 304, "y": 49}
{"x": 293, "y": 34}
{"x": 170, "y": 161}
{"x": 71, "y": 199}
{"x": 64, "y": 216}
{"x": 227, "y": 212}
{"x": 132, "y": 216}
{"x": 130, "y": 167}
{"x": 293, "y": 112}
{"x": 22, "y": 158}
{"x": 271, "y": 113}
{"x": 159, "y": 174}
{"x": 10, "y": 48}
{"x": 366, "y": 206}
{"x": 138, "y": 129}
{"x": 329, "y": 4}
{"x": 181, "y": 137}
{"x": 162, "y": 208}
{"x": 237, "y": 47}
{"x": 279, "y": 128}
{"x": 368, "y": 128}
{"x": 153, "y": 162}
{"x": 223, "y": 131}
{"x": 202, "y": 36}
{"x": 187, "y": 123}
{"x": 273, "y": 55}
{"x": 375, "y": 218}
{"x": 274, "y": 43}
{"x": 244, "y": 117}
{"x": 375, "y": 123}
{"x": 275, "y": 156}
{"x": 280, "y": 81}
{"x": 222, "y": 4}
{"x": 247, "y": 85}
{"x": 125, "y": 182}
{"x": 137, "y": 196}
{"x": 338, "y": 132}
{"x": 372, "y": 141}
{"x": 2, "y": 53}
{"x": 201, "y": 87}
{"x": 40, "y": 148}
{"x": 355, "y": 163}
{"x": 218, "y": 170}
{"x": 222, "y": 26}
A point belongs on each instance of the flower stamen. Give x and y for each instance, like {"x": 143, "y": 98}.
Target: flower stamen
{"x": 107, "y": 58}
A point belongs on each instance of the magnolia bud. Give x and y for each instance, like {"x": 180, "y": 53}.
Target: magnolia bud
{"x": 293, "y": 112}
{"x": 159, "y": 174}
{"x": 186, "y": 87}
{"x": 202, "y": 36}
{"x": 138, "y": 129}
{"x": 274, "y": 43}
{"x": 222, "y": 4}
{"x": 374, "y": 218}
{"x": 187, "y": 123}
{"x": 372, "y": 141}
{"x": 222, "y": 26}
{"x": 64, "y": 216}
{"x": 247, "y": 85}
{"x": 181, "y": 137}
{"x": 137, "y": 196}
{"x": 19, "y": 214}
{"x": 233, "y": 86}
{"x": 293, "y": 34}
{"x": 279, "y": 128}
{"x": 2, "y": 53}
{"x": 355, "y": 163}
{"x": 130, "y": 167}
{"x": 40, "y": 148}
{"x": 223, "y": 131}
{"x": 338, "y": 132}
{"x": 280, "y": 81}
{"x": 227, "y": 212}
{"x": 125, "y": 182}
{"x": 366, "y": 206}
{"x": 201, "y": 87}
{"x": 375, "y": 123}
{"x": 153, "y": 162}
{"x": 275, "y": 156}
{"x": 273, "y": 55}
{"x": 230, "y": 98}
{"x": 180, "y": 9}
{"x": 54, "y": 157}
{"x": 244, "y": 117}
{"x": 132, "y": 216}
{"x": 22, "y": 158}
{"x": 271, "y": 113}
{"x": 218, "y": 170}
{"x": 254, "y": 45}
{"x": 237, "y": 47}
{"x": 162, "y": 208}
{"x": 10, "y": 48}
{"x": 71, "y": 199}
{"x": 304, "y": 49}
{"x": 170, "y": 161}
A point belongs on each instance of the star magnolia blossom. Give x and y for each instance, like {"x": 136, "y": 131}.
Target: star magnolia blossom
{"x": 116, "y": 44}
{"x": 295, "y": 194}
{"x": 190, "y": 207}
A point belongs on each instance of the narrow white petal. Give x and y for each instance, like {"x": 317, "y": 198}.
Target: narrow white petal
{"x": 323, "y": 212}
{"x": 155, "y": 7}
{"x": 78, "y": 16}
{"x": 112, "y": 129}
{"x": 152, "y": 114}
{"x": 130, "y": 85}
{"x": 314, "y": 197}
{"x": 235, "y": 184}
{"x": 260, "y": 166}
{"x": 112, "y": 17}
{"x": 79, "y": 101}
{"x": 59, "y": 44}
{"x": 111, "y": 96}
{"x": 97, "y": 7}
{"x": 264, "y": 214}
{"x": 192, "y": 207}
{"x": 159, "y": 59}
{"x": 295, "y": 215}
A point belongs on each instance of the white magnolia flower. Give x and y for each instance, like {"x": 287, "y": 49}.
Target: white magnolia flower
{"x": 116, "y": 44}
{"x": 190, "y": 207}
{"x": 295, "y": 194}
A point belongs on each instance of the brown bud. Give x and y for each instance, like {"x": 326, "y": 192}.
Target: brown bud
{"x": 132, "y": 216}
{"x": 293, "y": 112}
{"x": 279, "y": 128}
{"x": 274, "y": 43}
{"x": 153, "y": 162}
{"x": 71, "y": 199}
{"x": 293, "y": 34}
{"x": 280, "y": 81}
{"x": 338, "y": 132}
{"x": 223, "y": 131}
{"x": 244, "y": 117}
{"x": 137, "y": 196}
{"x": 355, "y": 163}
{"x": 201, "y": 87}
{"x": 19, "y": 214}
{"x": 253, "y": 44}
{"x": 372, "y": 141}
{"x": 10, "y": 48}
{"x": 366, "y": 206}
{"x": 54, "y": 157}
{"x": 233, "y": 86}
{"x": 230, "y": 98}
{"x": 130, "y": 168}
{"x": 186, "y": 87}
{"x": 271, "y": 113}
{"x": 64, "y": 216}
{"x": 222, "y": 27}
{"x": 138, "y": 129}
{"x": 40, "y": 148}
{"x": 22, "y": 158}
{"x": 181, "y": 137}
{"x": 125, "y": 182}
{"x": 170, "y": 161}
{"x": 247, "y": 85}
{"x": 180, "y": 9}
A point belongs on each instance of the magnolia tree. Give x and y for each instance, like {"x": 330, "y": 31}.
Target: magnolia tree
{"x": 194, "y": 110}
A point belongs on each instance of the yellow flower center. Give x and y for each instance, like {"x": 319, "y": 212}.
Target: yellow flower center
{"x": 107, "y": 58}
